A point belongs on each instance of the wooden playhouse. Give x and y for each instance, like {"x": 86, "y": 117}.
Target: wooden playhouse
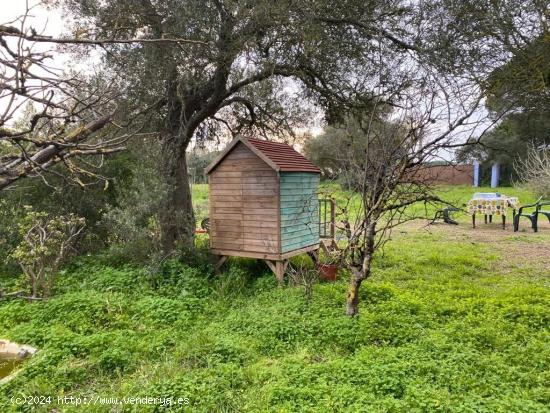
{"x": 263, "y": 203}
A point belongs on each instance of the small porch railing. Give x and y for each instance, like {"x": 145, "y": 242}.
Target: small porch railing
{"x": 327, "y": 218}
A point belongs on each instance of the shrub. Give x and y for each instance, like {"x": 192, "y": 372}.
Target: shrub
{"x": 47, "y": 242}
{"x": 534, "y": 170}
{"x": 9, "y": 236}
{"x": 178, "y": 279}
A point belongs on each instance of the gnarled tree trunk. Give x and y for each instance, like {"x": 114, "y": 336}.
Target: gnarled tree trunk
{"x": 177, "y": 220}
{"x": 352, "y": 303}
{"x": 361, "y": 272}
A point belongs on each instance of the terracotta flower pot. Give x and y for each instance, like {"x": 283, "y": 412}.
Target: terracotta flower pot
{"x": 328, "y": 271}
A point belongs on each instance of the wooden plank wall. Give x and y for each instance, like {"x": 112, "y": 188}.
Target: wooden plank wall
{"x": 299, "y": 210}
{"x": 244, "y": 203}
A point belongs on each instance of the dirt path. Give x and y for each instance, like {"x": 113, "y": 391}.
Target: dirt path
{"x": 523, "y": 249}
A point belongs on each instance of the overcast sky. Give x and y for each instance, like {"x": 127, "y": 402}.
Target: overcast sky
{"x": 50, "y": 22}
{"x": 39, "y": 18}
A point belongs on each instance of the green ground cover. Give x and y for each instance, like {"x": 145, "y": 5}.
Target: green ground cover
{"x": 452, "y": 321}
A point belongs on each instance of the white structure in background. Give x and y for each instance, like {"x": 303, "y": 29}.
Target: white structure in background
{"x": 495, "y": 175}
{"x": 477, "y": 171}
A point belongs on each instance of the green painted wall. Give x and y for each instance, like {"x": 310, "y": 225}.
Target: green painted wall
{"x": 299, "y": 210}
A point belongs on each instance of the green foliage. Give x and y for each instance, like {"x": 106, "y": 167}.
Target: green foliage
{"x": 60, "y": 197}
{"x": 342, "y": 148}
{"x": 177, "y": 279}
{"x": 522, "y": 84}
{"x": 442, "y": 328}
{"x": 131, "y": 222}
{"x": 197, "y": 161}
{"x": 47, "y": 242}
{"x": 9, "y": 235}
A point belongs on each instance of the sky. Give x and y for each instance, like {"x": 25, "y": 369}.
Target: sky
{"x": 47, "y": 22}
{"x": 50, "y": 22}
{"x": 39, "y": 17}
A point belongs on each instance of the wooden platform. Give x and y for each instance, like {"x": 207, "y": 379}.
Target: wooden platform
{"x": 276, "y": 262}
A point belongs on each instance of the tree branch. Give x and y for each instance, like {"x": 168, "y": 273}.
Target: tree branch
{"x": 10, "y": 31}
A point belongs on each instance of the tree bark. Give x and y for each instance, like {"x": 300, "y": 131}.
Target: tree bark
{"x": 361, "y": 272}
{"x": 40, "y": 158}
{"x": 352, "y": 304}
{"x": 177, "y": 220}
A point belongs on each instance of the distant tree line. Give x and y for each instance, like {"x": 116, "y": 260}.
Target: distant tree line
{"x": 518, "y": 92}
{"x": 197, "y": 161}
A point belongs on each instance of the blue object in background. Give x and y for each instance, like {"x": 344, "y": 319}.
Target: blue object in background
{"x": 495, "y": 175}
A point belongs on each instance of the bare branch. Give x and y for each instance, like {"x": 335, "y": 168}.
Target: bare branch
{"x": 10, "y": 31}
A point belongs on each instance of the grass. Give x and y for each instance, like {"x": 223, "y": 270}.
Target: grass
{"x": 448, "y": 323}
{"x": 455, "y": 195}
{"x": 200, "y": 201}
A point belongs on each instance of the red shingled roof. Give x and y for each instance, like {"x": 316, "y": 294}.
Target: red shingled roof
{"x": 279, "y": 156}
{"x": 284, "y": 156}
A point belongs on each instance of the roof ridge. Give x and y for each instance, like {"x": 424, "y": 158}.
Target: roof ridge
{"x": 284, "y": 156}
{"x": 268, "y": 142}
{"x": 279, "y": 156}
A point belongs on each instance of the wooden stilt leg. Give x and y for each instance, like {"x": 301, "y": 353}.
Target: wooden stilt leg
{"x": 278, "y": 268}
{"x": 490, "y": 218}
{"x": 485, "y": 218}
{"x": 271, "y": 266}
{"x": 219, "y": 263}
{"x": 474, "y": 220}
{"x": 504, "y": 222}
{"x": 280, "y": 271}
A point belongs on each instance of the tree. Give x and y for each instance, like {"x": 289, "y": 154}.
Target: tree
{"x": 197, "y": 161}
{"x": 439, "y": 100}
{"x": 58, "y": 126}
{"x": 518, "y": 91}
{"x": 64, "y": 113}
{"x": 233, "y": 76}
{"x": 332, "y": 150}
{"x": 426, "y": 61}
{"x": 386, "y": 175}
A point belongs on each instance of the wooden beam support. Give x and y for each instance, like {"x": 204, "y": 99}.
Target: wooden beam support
{"x": 278, "y": 268}
{"x": 262, "y": 255}
{"x": 271, "y": 265}
{"x": 221, "y": 260}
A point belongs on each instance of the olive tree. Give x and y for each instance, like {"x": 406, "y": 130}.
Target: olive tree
{"x": 251, "y": 65}
{"x": 254, "y": 66}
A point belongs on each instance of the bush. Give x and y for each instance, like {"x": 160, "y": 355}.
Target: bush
{"x": 9, "y": 236}
{"x": 47, "y": 242}
{"x": 441, "y": 329}
{"x": 534, "y": 171}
